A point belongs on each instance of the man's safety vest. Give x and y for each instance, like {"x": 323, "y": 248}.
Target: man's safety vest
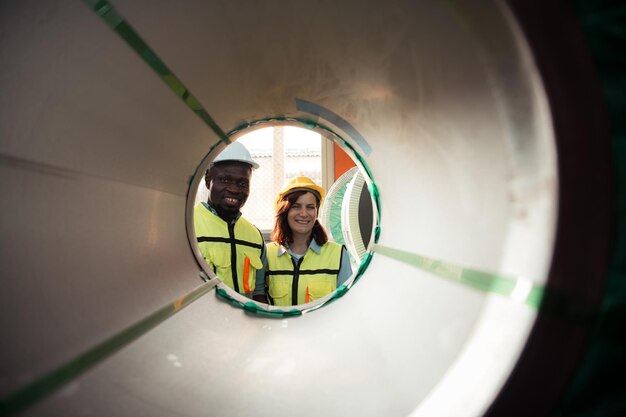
{"x": 225, "y": 245}
{"x": 313, "y": 276}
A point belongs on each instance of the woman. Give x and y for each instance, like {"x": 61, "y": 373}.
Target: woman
{"x": 302, "y": 265}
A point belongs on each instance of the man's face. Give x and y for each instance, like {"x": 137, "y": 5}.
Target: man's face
{"x": 229, "y": 187}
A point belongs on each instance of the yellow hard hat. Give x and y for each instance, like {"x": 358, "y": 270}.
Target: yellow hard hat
{"x": 299, "y": 184}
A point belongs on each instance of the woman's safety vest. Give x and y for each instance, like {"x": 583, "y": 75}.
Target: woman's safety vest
{"x": 225, "y": 245}
{"x": 313, "y": 276}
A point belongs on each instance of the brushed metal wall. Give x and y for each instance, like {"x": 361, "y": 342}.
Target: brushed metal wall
{"x": 97, "y": 156}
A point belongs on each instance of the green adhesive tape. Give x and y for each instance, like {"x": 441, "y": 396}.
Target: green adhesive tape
{"x": 115, "y": 21}
{"x": 520, "y": 289}
{"x": 19, "y": 400}
{"x": 255, "y": 308}
{"x": 365, "y": 261}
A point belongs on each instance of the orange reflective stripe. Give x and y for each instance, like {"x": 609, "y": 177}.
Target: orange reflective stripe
{"x": 307, "y": 297}
{"x": 246, "y": 274}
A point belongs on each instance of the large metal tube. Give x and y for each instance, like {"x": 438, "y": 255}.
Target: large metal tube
{"x": 97, "y": 156}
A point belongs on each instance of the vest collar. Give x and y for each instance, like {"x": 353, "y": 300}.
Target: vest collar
{"x": 212, "y": 210}
{"x": 312, "y": 246}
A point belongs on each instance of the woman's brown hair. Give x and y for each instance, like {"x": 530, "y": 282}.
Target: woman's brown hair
{"x": 282, "y": 232}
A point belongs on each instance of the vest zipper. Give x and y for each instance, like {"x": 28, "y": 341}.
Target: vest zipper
{"x": 296, "y": 280}
{"x": 233, "y": 256}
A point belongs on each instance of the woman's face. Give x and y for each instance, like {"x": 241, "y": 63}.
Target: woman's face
{"x": 302, "y": 214}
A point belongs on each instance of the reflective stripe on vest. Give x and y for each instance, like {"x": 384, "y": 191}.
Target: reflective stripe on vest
{"x": 223, "y": 245}
{"x": 310, "y": 278}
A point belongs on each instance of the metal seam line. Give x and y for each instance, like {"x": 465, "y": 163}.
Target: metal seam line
{"x": 517, "y": 288}
{"x": 63, "y": 173}
{"x": 115, "y": 21}
{"x": 54, "y": 379}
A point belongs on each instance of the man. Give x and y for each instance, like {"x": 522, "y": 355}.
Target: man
{"x": 232, "y": 246}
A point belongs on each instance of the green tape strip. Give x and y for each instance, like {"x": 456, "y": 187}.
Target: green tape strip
{"x": 520, "y": 289}
{"x": 255, "y": 308}
{"x": 365, "y": 261}
{"x": 53, "y": 380}
{"x": 113, "y": 19}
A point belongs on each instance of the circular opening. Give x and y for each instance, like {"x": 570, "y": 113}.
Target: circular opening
{"x": 281, "y": 151}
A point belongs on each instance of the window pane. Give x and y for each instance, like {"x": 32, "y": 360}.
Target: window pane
{"x": 282, "y": 153}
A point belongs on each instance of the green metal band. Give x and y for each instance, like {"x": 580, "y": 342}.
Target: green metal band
{"x": 520, "y": 289}
{"x": 56, "y": 378}
{"x": 115, "y": 21}
{"x": 255, "y": 308}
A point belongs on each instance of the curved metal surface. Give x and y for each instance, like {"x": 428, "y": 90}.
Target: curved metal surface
{"x": 98, "y": 154}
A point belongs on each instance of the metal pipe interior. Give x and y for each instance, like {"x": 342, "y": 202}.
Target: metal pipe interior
{"x": 97, "y": 155}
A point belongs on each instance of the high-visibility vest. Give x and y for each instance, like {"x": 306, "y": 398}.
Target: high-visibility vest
{"x": 223, "y": 245}
{"x": 313, "y": 276}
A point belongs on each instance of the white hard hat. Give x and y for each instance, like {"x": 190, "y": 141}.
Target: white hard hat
{"x": 236, "y": 152}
